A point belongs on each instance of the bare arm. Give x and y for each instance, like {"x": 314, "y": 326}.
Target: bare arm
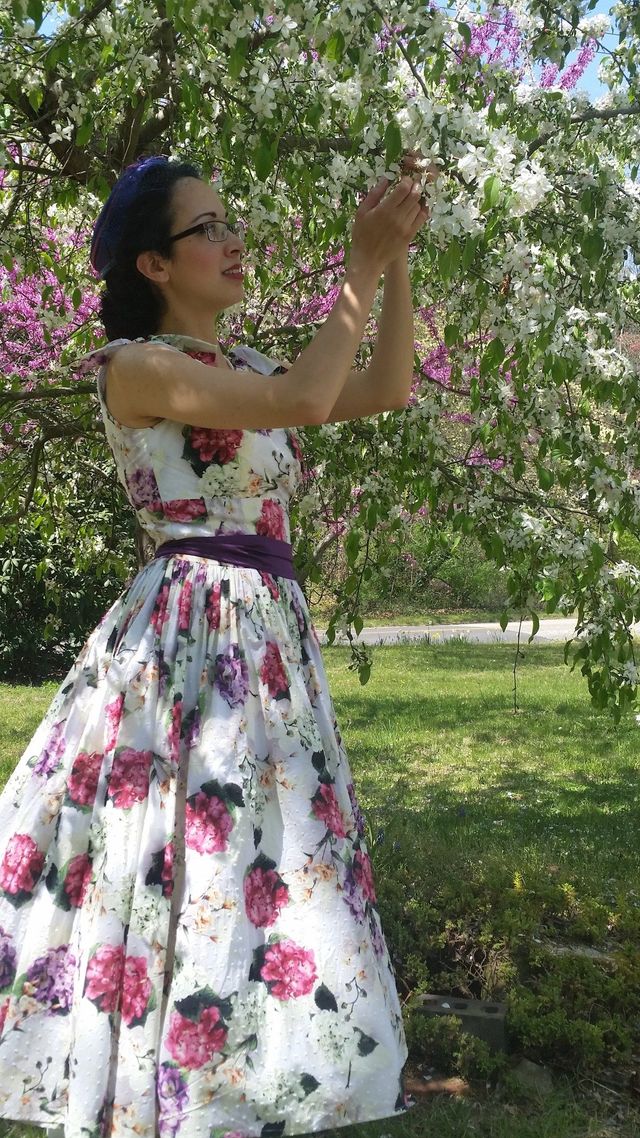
{"x": 152, "y": 380}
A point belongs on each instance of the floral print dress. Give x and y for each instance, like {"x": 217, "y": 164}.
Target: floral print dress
{"x": 189, "y": 939}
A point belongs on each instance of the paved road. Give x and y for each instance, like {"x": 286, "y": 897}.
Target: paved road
{"x": 551, "y": 629}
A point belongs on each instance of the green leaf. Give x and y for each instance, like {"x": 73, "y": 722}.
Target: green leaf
{"x": 497, "y": 548}
{"x": 392, "y": 142}
{"x": 35, "y": 11}
{"x": 451, "y": 333}
{"x": 84, "y": 132}
{"x": 592, "y": 246}
{"x": 237, "y": 57}
{"x": 492, "y": 187}
{"x": 352, "y": 546}
{"x": 545, "y": 476}
{"x": 438, "y": 67}
{"x": 536, "y": 625}
{"x": 465, "y": 32}
{"x": 358, "y": 624}
{"x": 35, "y": 98}
{"x": 335, "y": 47}
{"x": 264, "y": 159}
{"x": 504, "y": 620}
{"x": 359, "y": 122}
{"x": 449, "y": 260}
{"x": 492, "y": 356}
{"x": 469, "y": 252}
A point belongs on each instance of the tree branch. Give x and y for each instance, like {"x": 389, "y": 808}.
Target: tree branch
{"x": 588, "y": 116}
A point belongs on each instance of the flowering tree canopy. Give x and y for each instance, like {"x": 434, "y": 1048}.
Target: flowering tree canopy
{"x": 523, "y": 422}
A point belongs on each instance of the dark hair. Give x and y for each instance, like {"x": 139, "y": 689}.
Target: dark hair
{"x": 130, "y": 304}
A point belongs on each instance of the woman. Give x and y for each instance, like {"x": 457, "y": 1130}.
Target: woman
{"x": 189, "y": 938}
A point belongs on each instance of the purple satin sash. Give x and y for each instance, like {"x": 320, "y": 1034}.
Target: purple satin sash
{"x": 251, "y": 550}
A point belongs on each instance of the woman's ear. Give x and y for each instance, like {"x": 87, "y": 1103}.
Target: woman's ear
{"x": 152, "y": 266}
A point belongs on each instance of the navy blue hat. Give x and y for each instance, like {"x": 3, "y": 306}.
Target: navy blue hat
{"x": 108, "y": 229}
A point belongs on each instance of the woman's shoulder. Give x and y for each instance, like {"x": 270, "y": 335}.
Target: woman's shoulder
{"x": 98, "y": 357}
{"x": 239, "y": 355}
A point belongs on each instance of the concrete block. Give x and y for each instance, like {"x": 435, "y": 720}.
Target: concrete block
{"x": 483, "y": 1018}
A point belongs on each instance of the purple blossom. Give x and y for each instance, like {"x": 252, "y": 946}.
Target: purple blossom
{"x": 576, "y": 70}
{"x": 231, "y": 676}
{"x": 497, "y": 40}
{"x": 7, "y": 960}
{"x": 51, "y": 978}
{"x": 549, "y": 76}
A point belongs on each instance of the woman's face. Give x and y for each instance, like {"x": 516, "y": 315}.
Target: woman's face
{"x": 197, "y": 266}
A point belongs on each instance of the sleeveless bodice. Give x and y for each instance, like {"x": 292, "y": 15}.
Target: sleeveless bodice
{"x": 189, "y": 481}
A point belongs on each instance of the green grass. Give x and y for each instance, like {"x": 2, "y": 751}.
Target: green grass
{"x": 434, "y": 732}
{"x": 491, "y": 832}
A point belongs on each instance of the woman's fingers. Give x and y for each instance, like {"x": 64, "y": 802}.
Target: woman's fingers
{"x": 374, "y": 197}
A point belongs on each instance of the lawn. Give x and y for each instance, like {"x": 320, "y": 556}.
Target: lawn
{"x": 497, "y": 838}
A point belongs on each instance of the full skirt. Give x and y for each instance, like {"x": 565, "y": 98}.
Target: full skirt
{"x": 189, "y": 937}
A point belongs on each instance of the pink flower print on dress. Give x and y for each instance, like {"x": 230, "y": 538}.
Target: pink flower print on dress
{"x": 295, "y": 446}
{"x": 4, "y": 1008}
{"x": 209, "y": 358}
{"x": 265, "y": 893}
{"x": 289, "y": 970}
{"x": 363, "y": 874}
{"x": 184, "y": 509}
{"x": 192, "y": 1043}
{"x": 271, "y": 520}
{"x": 208, "y": 823}
{"x": 271, "y": 584}
{"x": 113, "y": 715}
{"x": 21, "y": 865}
{"x": 160, "y": 612}
{"x": 103, "y": 980}
{"x": 77, "y": 879}
{"x": 327, "y": 808}
{"x": 129, "y": 777}
{"x": 272, "y": 672}
{"x": 211, "y": 445}
{"x": 136, "y": 989}
{"x": 167, "y": 870}
{"x": 212, "y": 608}
{"x": 184, "y": 606}
{"x": 82, "y": 783}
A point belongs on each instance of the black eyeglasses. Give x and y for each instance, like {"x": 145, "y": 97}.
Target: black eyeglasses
{"x": 215, "y": 230}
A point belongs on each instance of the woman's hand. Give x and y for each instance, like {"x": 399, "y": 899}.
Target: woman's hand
{"x": 385, "y": 226}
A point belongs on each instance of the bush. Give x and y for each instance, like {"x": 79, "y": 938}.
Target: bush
{"x": 418, "y": 573}
{"x": 48, "y": 605}
{"x": 470, "y": 933}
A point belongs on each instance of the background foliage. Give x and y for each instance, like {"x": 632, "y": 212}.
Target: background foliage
{"x": 523, "y": 427}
